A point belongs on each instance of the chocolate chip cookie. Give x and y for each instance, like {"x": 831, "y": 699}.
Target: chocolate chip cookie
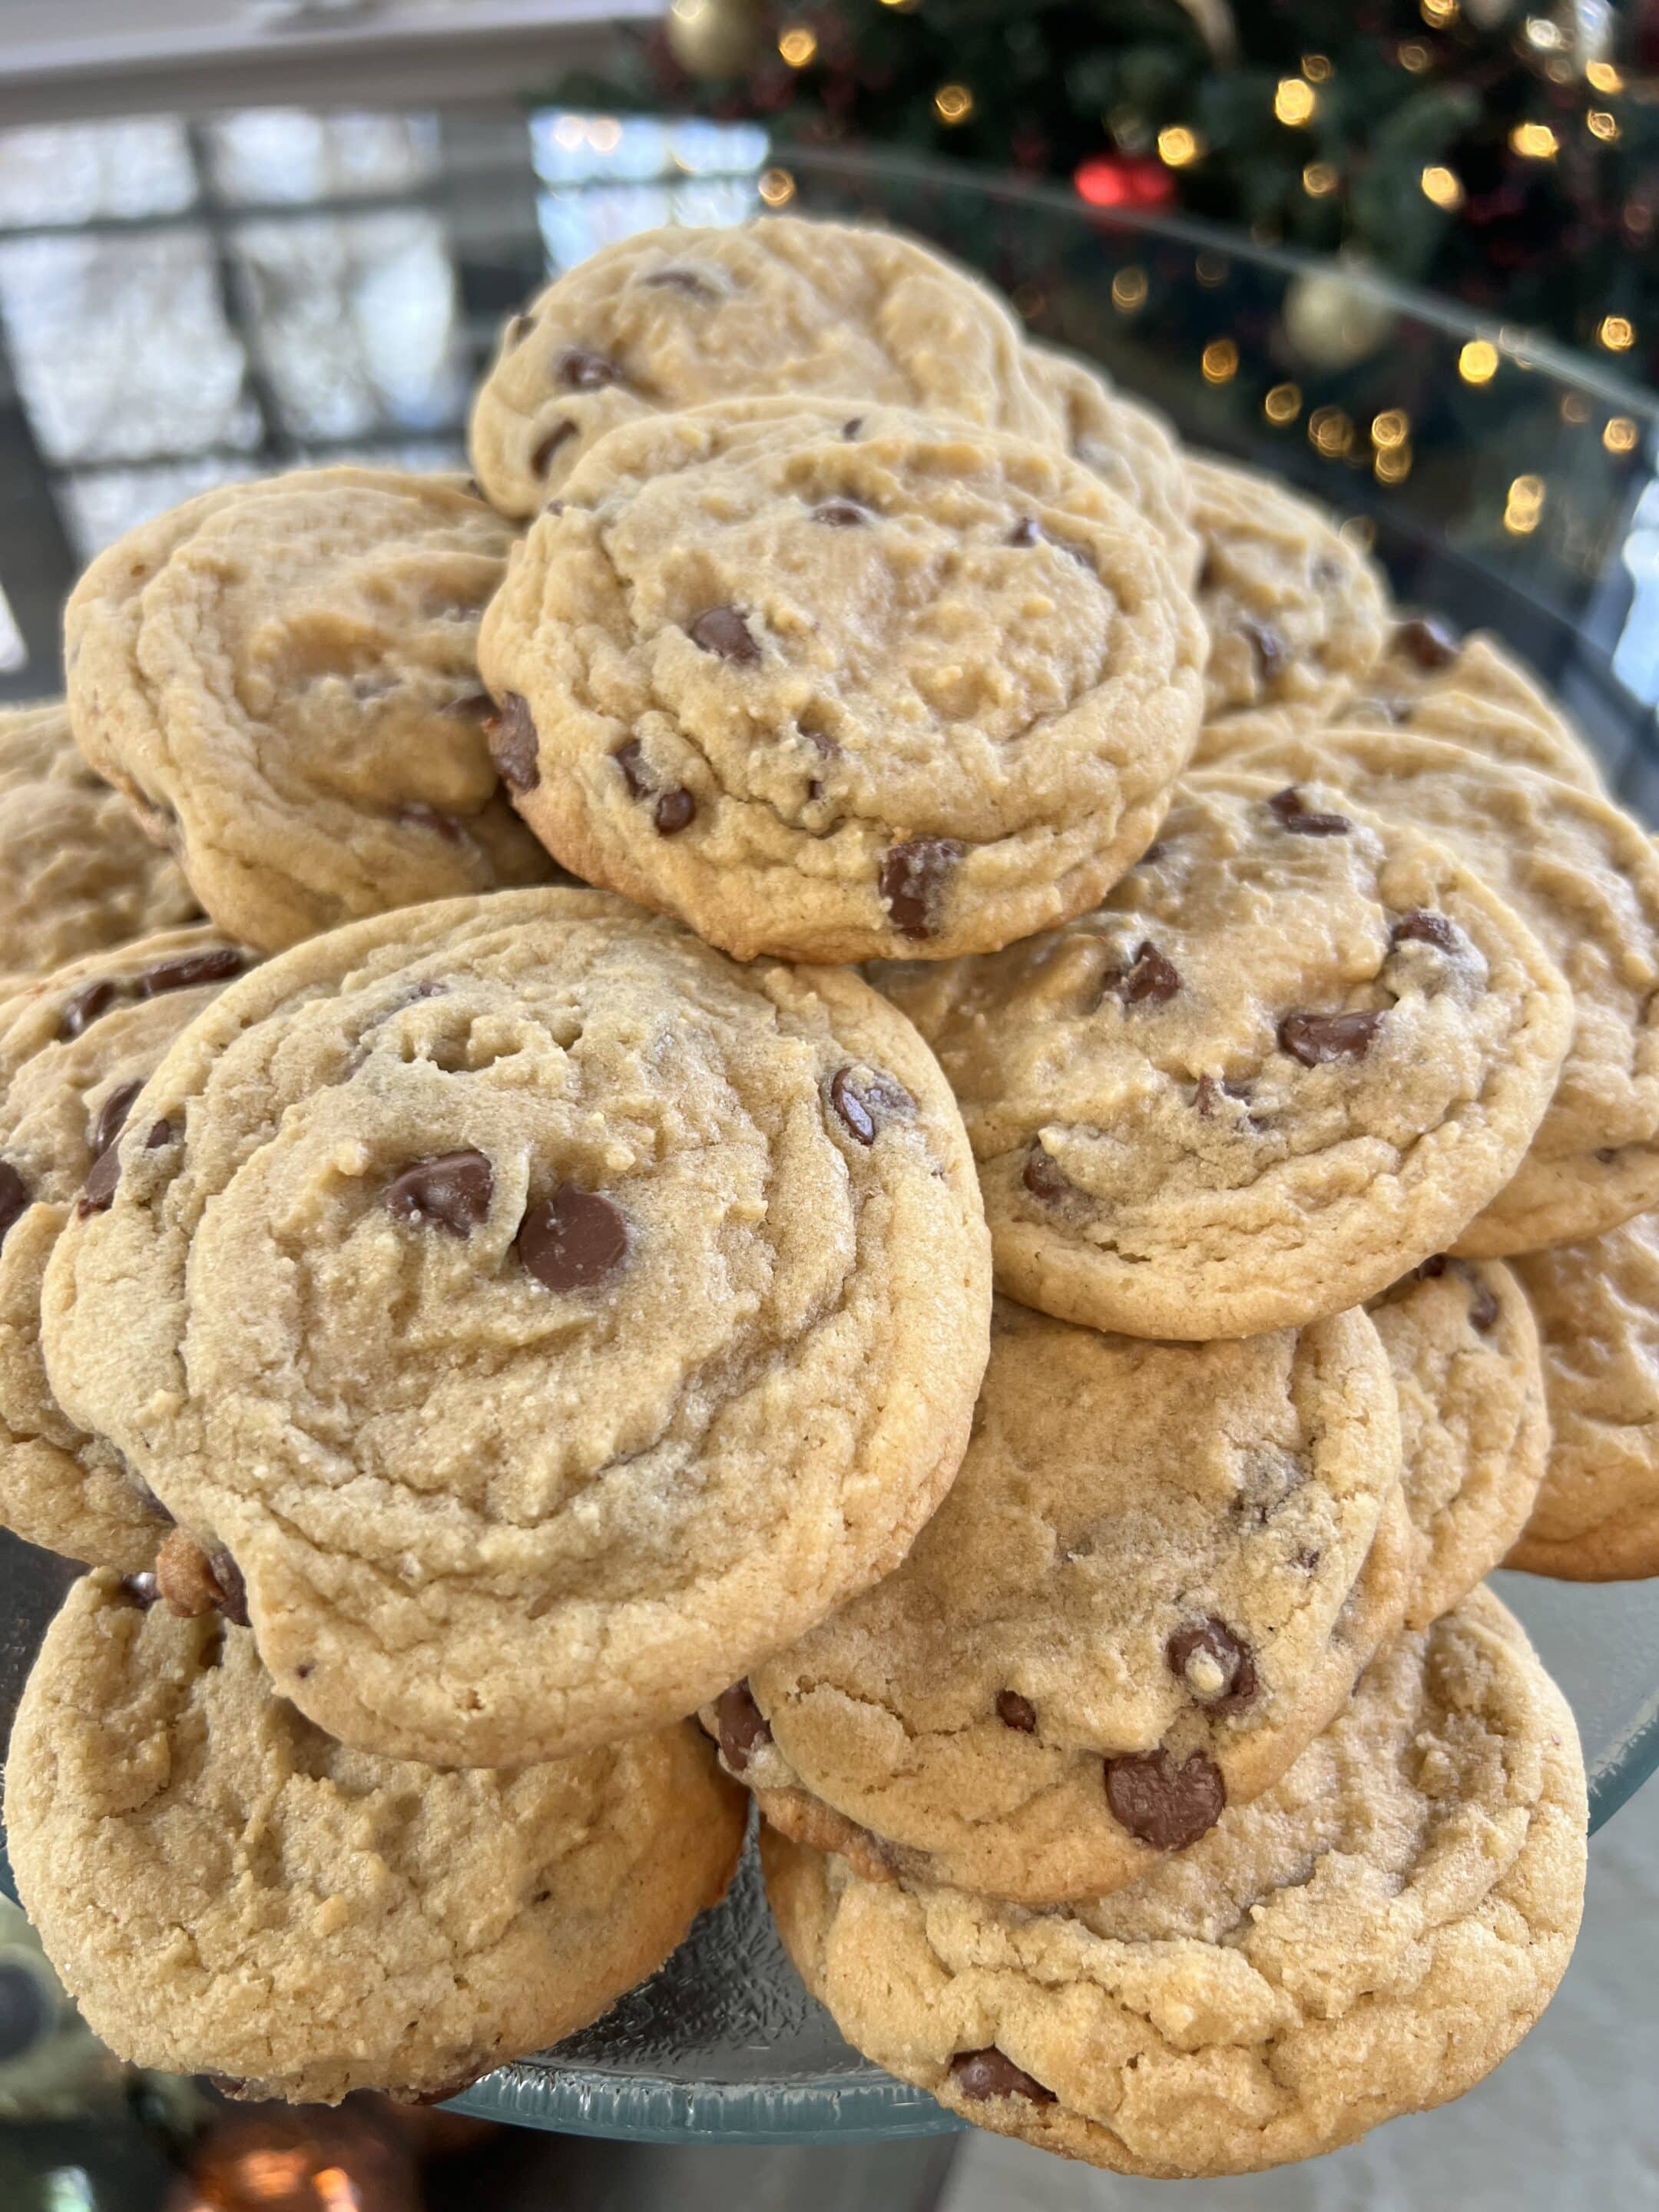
{"x": 1126, "y": 445}
{"x": 75, "y": 1050}
{"x": 1585, "y": 878}
{"x": 1155, "y": 1579}
{"x": 76, "y": 871}
{"x": 1297, "y": 617}
{"x": 541, "y": 1316}
{"x": 672, "y": 319}
{"x": 1473, "y": 1432}
{"x": 283, "y": 679}
{"x": 1596, "y": 1518}
{"x": 1291, "y": 1057}
{"x": 223, "y": 1886}
{"x": 1369, "y": 1938}
{"x": 831, "y": 688}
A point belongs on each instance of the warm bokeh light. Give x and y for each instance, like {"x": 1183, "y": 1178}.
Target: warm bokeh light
{"x": 1616, "y": 333}
{"x": 1129, "y": 290}
{"x": 1318, "y": 178}
{"x": 953, "y": 103}
{"x": 1283, "y": 404}
{"x": 1478, "y": 362}
{"x": 1534, "y": 142}
{"x": 776, "y": 187}
{"x": 1392, "y": 465}
{"x": 1414, "y": 57}
{"x": 1443, "y": 186}
{"x": 1437, "y": 13}
{"x": 1329, "y": 431}
{"x": 1601, "y": 125}
{"x": 1219, "y": 360}
{"x": 1294, "y": 102}
{"x": 797, "y": 45}
{"x": 1620, "y": 434}
{"x": 1525, "y": 507}
{"x": 1178, "y": 146}
{"x": 1604, "y": 76}
{"x": 1391, "y": 428}
{"x": 1317, "y": 68}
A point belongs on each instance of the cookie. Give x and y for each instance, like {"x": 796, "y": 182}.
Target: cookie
{"x": 1129, "y": 447}
{"x": 282, "y": 677}
{"x": 77, "y": 872}
{"x": 1585, "y": 878}
{"x": 75, "y": 1050}
{"x": 1291, "y": 1056}
{"x": 831, "y": 697}
{"x": 1596, "y": 1518}
{"x": 223, "y": 1887}
{"x": 1155, "y": 1579}
{"x": 781, "y": 308}
{"x": 573, "y": 1317}
{"x": 1474, "y": 1433}
{"x": 1297, "y": 617}
{"x": 1370, "y": 1938}
{"x": 1472, "y": 692}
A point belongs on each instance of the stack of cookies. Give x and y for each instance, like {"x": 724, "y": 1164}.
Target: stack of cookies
{"x": 471, "y": 1322}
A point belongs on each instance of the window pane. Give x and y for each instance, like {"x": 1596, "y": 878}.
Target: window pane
{"x": 266, "y": 157}
{"x": 75, "y": 172}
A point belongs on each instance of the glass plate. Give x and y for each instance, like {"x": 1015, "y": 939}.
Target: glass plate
{"x": 1502, "y": 482}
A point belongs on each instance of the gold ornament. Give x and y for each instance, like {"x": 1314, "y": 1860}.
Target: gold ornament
{"x": 716, "y": 37}
{"x": 1334, "y": 318}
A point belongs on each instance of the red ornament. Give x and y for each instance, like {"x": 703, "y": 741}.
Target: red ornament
{"x": 1123, "y": 180}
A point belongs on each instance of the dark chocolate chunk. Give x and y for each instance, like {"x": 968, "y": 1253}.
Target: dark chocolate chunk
{"x": 1015, "y": 1712}
{"x": 112, "y": 1117}
{"x": 542, "y": 459}
{"x": 1426, "y": 640}
{"x": 742, "y": 1726}
{"x": 723, "y": 632}
{"x": 513, "y": 744}
{"x": 581, "y": 369}
{"x": 14, "y": 1197}
{"x": 1422, "y": 927}
{"x": 190, "y": 970}
{"x": 97, "y": 1191}
{"x": 863, "y": 1102}
{"x": 452, "y": 1189}
{"x": 1151, "y": 980}
{"x": 1303, "y": 821}
{"x": 982, "y": 2075}
{"x": 674, "y": 811}
{"x": 1043, "y": 1176}
{"x": 574, "y": 1239}
{"x": 681, "y": 280}
{"x": 85, "y": 1006}
{"x": 1165, "y": 1805}
{"x": 1208, "y": 1647}
{"x": 1316, "y": 1039}
{"x": 912, "y": 883}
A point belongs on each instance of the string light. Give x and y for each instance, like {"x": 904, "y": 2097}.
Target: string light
{"x": 1294, "y": 102}
{"x": 1533, "y": 142}
{"x": 1604, "y": 76}
{"x": 1543, "y": 34}
{"x": 953, "y": 104}
{"x": 1575, "y": 408}
{"x": 1620, "y": 434}
{"x": 1443, "y": 186}
{"x": 1318, "y": 178}
{"x": 1219, "y": 360}
{"x": 1392, "y": 465}
{"x": 1437, "y": 13}
{"x": 1317, "y": 68}
{"x": 797, "y": 45}
{"x": 1283, "y": 404}
{"x": 1601, "y": 125}
{"x": 1391, "y": 428}
{"x": 776, "y": 187}
{"x": 1329, "y": 431}
{"x": 1415, "y": 56}
{"x": 1524, "y": 508}
{"x": 1478, "y": 361}
{"x": 1178, "y": 146}
{"x": 1129, "y": 290}
{"x": 1616, "y": 333}
{"x": 605, "y": 134}
{"x": 1211, "y": 270}
{"x": 1359, "y": 532}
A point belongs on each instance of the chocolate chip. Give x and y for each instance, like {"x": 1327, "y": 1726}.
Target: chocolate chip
{"x": 162, "y": 1132}
{"x": 1483, "y": 1304}
{"x": 1209, "y": 575}
{"x": 1427, "y": 641}
{"x": 1434, "y": 1265}
{"x": 85, "y": 1006}
{"x": 852, "y": 426}
{"x": 1420, "y": 926}
{"x": 1026, "y": 531}
{"x": 513, "y": 744}
{"x": 675, "y": 809}
{"x": 1607, "y": 1154}
{"x": 581, "y": 369}
{"x": 1042, "y": 1175}
{"x": 450, "y": 1189}
{"x": 630, "y": 759}
{"x": 681, "y": 280}
{"x": 542, "y": 459}
{"x": 841, "y": 513}
{"x": 469, "y": 702}
{"x": 912, "y": 883}
{"x": 1166, "y": 1805}
{"x": 1215, "y": 1664}
{"x": 1300, "y": 822}
{"x": 723, "y": 632}
{"x": 1153, "y": 853}
{"x": 194, "y": 1582}
{"x": 190, "y": 970}
{"x": 97, "y": 1191}
{"x": 141, "y": 1590}
{"x": 742, "y": 1726}
{"x": 1316, "y": 1039}
{"x": 574, "y": 1239}
{"x": 420, "y": 816}
{"x": 111, "y": 1116}
{"x": 1151, "y": 980}
{"x": 981, "y": 2075}
{"x": 863, "y": 1102}
{"x": 1015, "y": 1712}
{"x": 1267, "y": 645}
{"x": 231, "y": 1591}
{"x": 14, "y": 1197}
{"x": 673, "y": 812}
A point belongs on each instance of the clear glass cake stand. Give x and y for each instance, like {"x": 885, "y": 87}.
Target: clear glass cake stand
{"x": 1505, "y": 483}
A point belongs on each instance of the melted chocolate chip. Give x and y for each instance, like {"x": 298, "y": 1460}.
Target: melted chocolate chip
{"x": 1042, "y": 1175}
{"x": 1267, "y": 645}
{"x": 450, "y": 1189}
{"x": 863, "y": 1102}
{"x": 1427, "y": 641}
{"x": 1166, "y": 1805}
{"x": 742, "y": 1726}
{"x": 681, "y": 280}
{"x": 674, "y": 811}
{"x": 97, "y": 1191}
{"x": 1015, "y": 1712}
{"x": 912, "y": 883}
{"x": 581, "y": 369}
{"x": 162, "y": 1132}
{"x": 1316, "y": 1039}
{"x": 982, "y": 2075}
{"x": 1483, "y": 1304}
{"x": 111, "y": 1116}
{"x": 85, "y": 1006}
{"x": 1026, "y": 531}
{"x": 841, "y": 513}
{"x": 542, "y": 459}
{"x": 1421, "y": 927}
{"x": 1215, "y": 1664}
{"x": 574, "y": 1239}
{"x": 1151, "y": 980}
{"x": 191, "y": 970}
{"x": 14, "y": 1197}
{"x": 630, "y": 759}
{"x": 1303, "y": 822}
{"x": 141, "y": 1590}
{"x": 723, "y": 632}
{"x": 852, "y": 426}
{"x": 513, "y": 744}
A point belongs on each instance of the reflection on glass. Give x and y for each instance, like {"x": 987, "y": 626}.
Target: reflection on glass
{"x": 64, "y": 174}
{"x": 610, "y": 176}
{"x": 264, "y": 156}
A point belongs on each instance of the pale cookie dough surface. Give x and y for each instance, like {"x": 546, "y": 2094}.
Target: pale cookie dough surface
{"x": 223, "y": 1887}
{"x": 76, "y": 871}
{"x": 549, "y": 1317}
{"x": 1473, "y": 1432}
{"x": 1296, "y": 617}
{"x": 282, "y": 678}
{"x": 1293, "y": 1053}
{"x": 1585, "y": 878}
{"x": 75, "y": 1049}
{"x": 1370, "y": 1938}
{"x": 673, "y": 318}
{"x": 1470, "y": 691}
{"x": 827, "y": 696}
{"x": 1597, "y": 1306}
{"x": 1127, "y": 445}
{"x": 1155, "y": 1579}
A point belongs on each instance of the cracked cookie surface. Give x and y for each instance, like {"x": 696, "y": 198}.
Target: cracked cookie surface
{"x": 282, "y": 677}
{"x": 1126, "y": 444}
{"x": 1369, "y": 1938}
{"x": 1156, "y": 1575}
{"x": 1470, "y": 691}
{"x": 75, "y": 1050}
{"x": 673, "y": 318}
{"x": 1291, "y": 1056}
{"x": 922, "y": 687}
{"x": 223, "y": 1887}
{"x": 547, "y": 1317}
